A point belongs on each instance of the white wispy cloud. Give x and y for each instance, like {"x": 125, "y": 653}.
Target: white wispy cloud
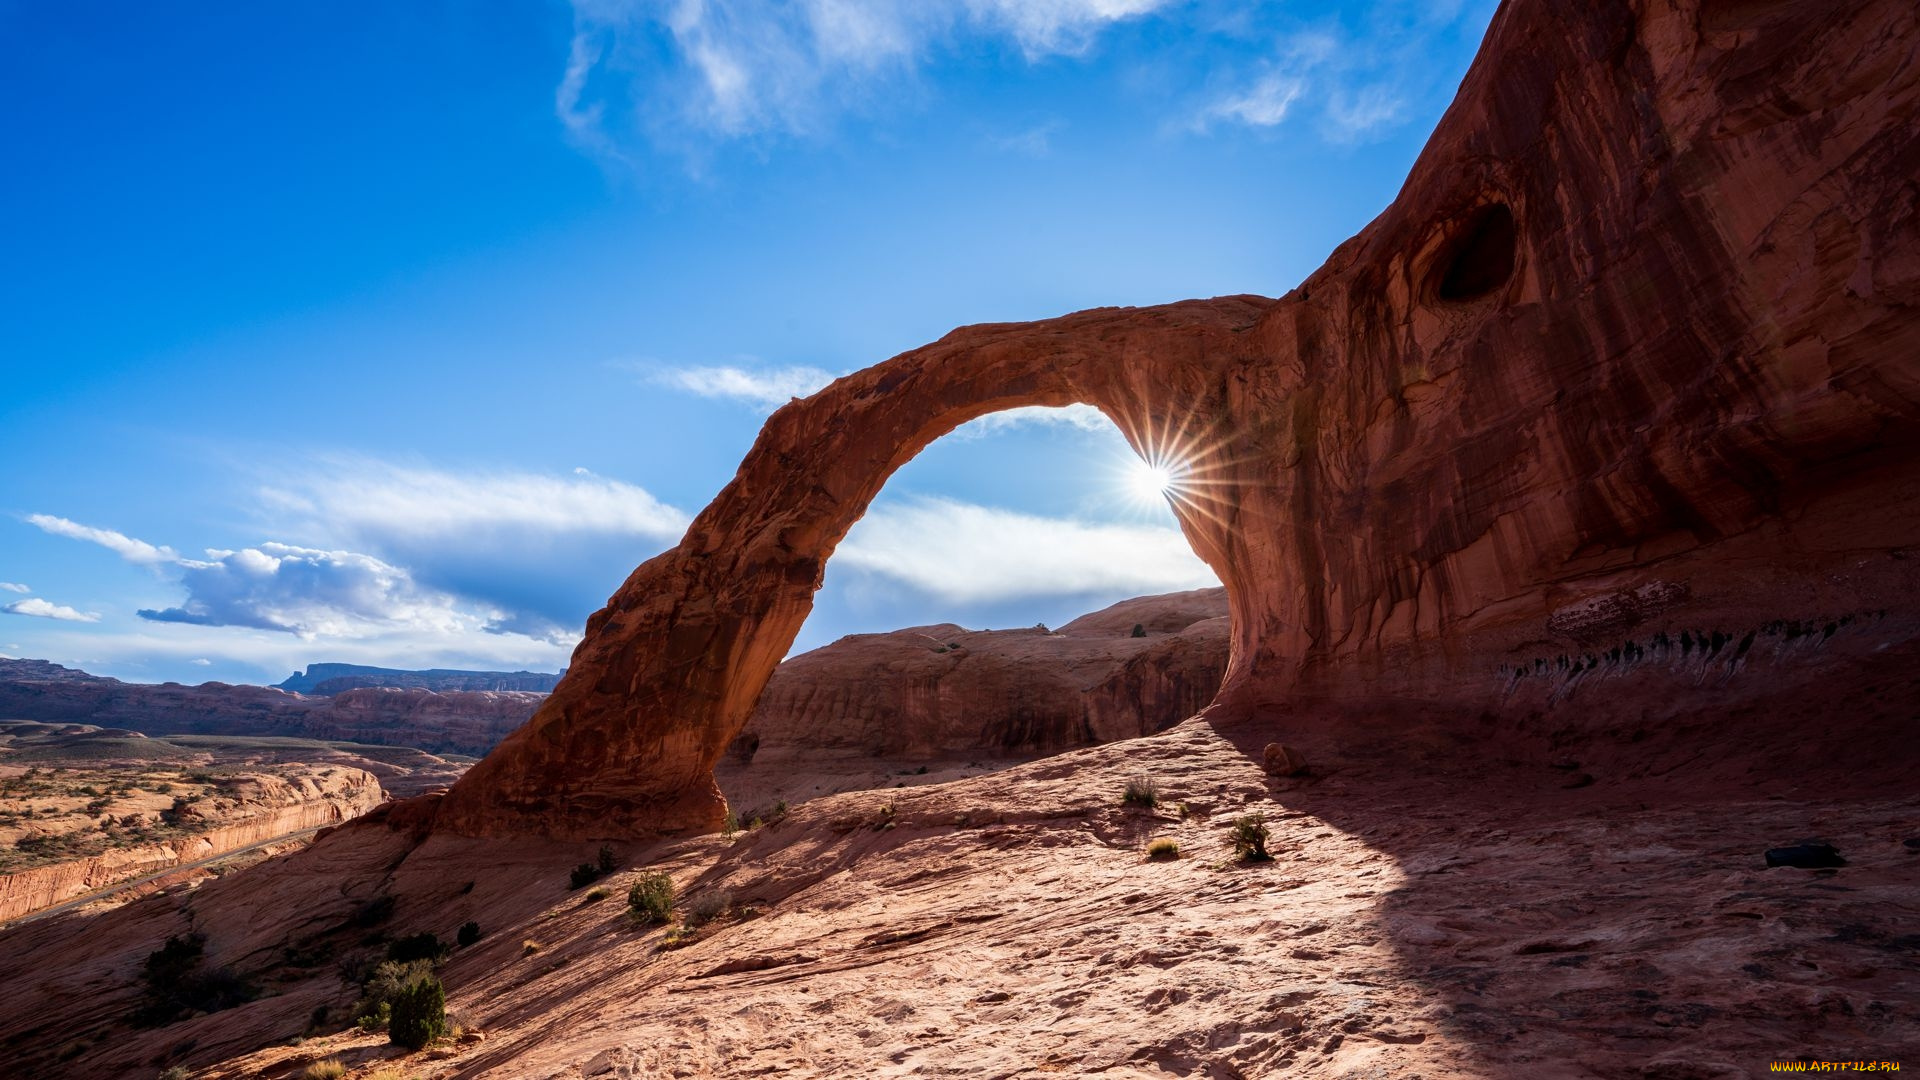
{"x": 764, "y": 388}
{"x": 1033, "y": 142}
{"x": 1083, "y": 417}
{"x": 14, "y": 586}
{"x": 739, "y": 68}
{"x": 1350, "y": 86}
{"x": 1353, "y": 114}
{"x": 539, "y": 551}
{"x": 41, "y": 609}
{"x": 134, "y": 551}
{"x": 360, "y": 498}
{"x": 1264, "y": 104}
{"x": 965, "y": 553}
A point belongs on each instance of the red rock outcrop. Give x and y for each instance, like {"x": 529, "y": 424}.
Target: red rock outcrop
{"x": 1644, "y": 310}
{"x": 934, "y": 691}
{"x": 455, "y": 721}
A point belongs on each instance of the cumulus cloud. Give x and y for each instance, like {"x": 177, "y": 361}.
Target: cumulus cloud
{"x": 14, "y": 586}
{"x": 965, "y": 553}
{"x": 134, "y": 551}
{"x": 766, "y": 388}
{"x": 738, "y": 68}
{"x": 41, "y": 609}
{"x": 310, "y": 592}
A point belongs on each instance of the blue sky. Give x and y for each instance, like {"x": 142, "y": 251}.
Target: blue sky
{"x": 399, "y": 334}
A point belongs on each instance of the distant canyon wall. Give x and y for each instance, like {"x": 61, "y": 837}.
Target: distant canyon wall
{"x": 463, "y": 722}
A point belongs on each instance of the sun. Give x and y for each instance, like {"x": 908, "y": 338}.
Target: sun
{"x": 1153, "y": 482}
{"x": 1148, "y": 480}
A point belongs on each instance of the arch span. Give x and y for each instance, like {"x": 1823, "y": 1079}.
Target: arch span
{"x": 670, "y": 670}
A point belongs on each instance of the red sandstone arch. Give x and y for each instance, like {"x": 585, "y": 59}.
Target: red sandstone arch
{"x": 1652, "y": 288}
{"x": 671, "y": 669}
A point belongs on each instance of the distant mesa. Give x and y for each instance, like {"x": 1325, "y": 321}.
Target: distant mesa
{"x": 330, "y": 679}
{"x": 464, "y": 722}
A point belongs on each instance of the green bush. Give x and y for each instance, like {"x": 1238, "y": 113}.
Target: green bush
{"x": 178, "y": 983}
{"x": 419, "y": 1013}
{"x": 469, "y": 933}
{"x": 1250, "y": 838}
{"x": 1141, "y": 792}
{"x": 383, "y": 987}
{"x": 422, "y": 946}
{"x": 651, "y": 898}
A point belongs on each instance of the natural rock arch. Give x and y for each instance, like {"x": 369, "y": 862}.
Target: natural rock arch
{"x": 1649, "y": 292}
{"x": 672, "y": 667}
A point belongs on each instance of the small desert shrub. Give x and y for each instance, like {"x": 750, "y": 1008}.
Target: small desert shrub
{"x": 1164, "y": 848}
{"x": 651, "y": 898}
{"x": 469, "y": 933}
{"x": 419, "y": 1014}
{"x": 325, "y": 1069}
{"x": 178, "y": 984}
{"x": 175, "y": 1072}
{"x": 1250, "y": 838}
{"x": 589, "y": 872}
{"x": 389, "y": 980}
{"x": 1141, "y": 792}
{"x": 529, "y": 947}
{"x": 596, "y": 894}
{"x": 707, "y": 906}
{"x": 1187, "y": 811}
{"x": 422, "y": 946}
{"x": 1139, "y": 630}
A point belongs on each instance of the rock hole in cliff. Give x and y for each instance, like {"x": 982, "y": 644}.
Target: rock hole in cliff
{"x": 1479, "y": 259}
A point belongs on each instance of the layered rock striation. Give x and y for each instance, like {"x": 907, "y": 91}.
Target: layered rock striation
{"x": 256, "y": 808}
{"x": 1644, "y": 311}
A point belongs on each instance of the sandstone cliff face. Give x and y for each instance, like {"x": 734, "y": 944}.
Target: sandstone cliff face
{"x": 1644, "y": 310}
{"x": 261, "y": 807}
{"x": 466, "y": 722}
{"x": 937, "y": 691}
